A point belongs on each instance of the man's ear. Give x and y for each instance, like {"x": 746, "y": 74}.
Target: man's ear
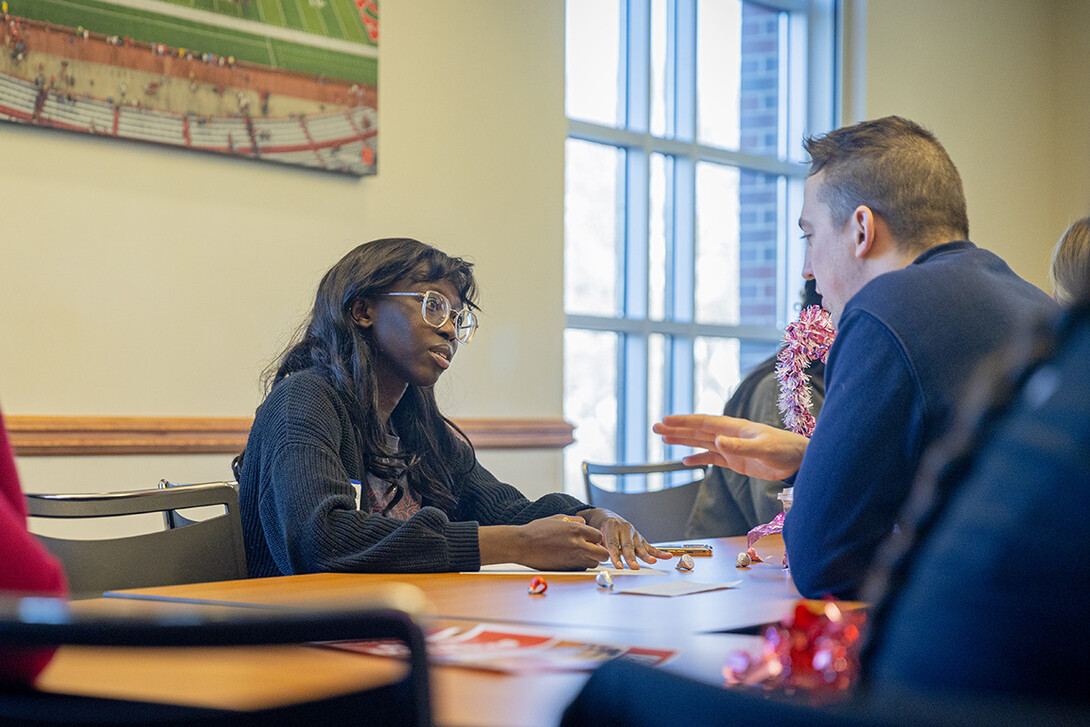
{"x": 862, "y": 225}
{"x": 361, "y": 313}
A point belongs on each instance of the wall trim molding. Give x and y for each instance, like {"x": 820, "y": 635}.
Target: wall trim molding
{"x": 51, "y": 436}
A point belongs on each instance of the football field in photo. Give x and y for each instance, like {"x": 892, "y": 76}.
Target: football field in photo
{"x": 332, "y": 18}
{"x": 319, "y": 37}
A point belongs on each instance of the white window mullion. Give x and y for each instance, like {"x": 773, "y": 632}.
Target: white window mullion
{"x": 635, "y": 426}
{"x": 632, "y": 394}
{"x": 685, "y": 71}
{"x": 632, "y": 383}
{"x": 682, "y": 384}
{"x": 638, "y": 107}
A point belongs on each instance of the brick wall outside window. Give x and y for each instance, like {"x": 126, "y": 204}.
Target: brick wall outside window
{"x": 758, "y": 202}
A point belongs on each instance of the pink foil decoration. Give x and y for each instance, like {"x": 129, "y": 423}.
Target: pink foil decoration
{"x": 813, "y": 652}
{"x": 762, "y": 530}
{"x": 806, "y": 340}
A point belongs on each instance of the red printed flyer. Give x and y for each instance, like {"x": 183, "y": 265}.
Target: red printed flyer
{"x": 496, "y": 648}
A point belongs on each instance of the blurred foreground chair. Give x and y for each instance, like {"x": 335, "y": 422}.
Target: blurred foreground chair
{"x": 205, "y": 550}
{"x": 49, "y": 622}
{"x": 659, "y": 515}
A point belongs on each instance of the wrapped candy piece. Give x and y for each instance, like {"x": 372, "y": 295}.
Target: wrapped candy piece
{"x": 743, "y": 560}
{"x": 538, "y": 586}
{"x": 814, "y": 651}
{"x": 753, "y": 557}
{"x": 685, "y": 562}
{"x": 604, "y": 579}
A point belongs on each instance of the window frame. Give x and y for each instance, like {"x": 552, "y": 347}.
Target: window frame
{"x": 808, "y": 76}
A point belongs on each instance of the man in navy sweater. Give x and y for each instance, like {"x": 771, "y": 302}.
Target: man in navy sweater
{"x": 916, "y": 306}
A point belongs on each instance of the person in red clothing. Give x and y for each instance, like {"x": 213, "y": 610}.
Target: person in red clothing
{"x": 28, "y": 568}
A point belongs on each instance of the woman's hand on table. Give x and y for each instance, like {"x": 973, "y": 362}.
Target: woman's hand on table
{"x": 559, "y": 542}
{"x": 625, "y": 544}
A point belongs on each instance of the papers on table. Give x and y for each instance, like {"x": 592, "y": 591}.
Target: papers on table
{"x": 518, "y": 569}
{"x": 510, "y": 649}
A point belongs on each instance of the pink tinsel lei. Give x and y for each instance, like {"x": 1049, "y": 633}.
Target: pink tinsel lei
{"x": 806, "y": 340}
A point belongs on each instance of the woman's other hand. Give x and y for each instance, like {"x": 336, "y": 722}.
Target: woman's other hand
{"x": 622, "y": 540}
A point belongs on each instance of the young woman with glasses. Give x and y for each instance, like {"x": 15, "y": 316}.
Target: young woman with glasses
{"x": 350, "y": 466}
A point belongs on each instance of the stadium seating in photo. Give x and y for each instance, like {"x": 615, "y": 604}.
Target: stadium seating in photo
{"x": 336, "y": 140}
{"x": 151, "y": 126}
{"x": 80, "y": 113}
{"x": 17, "y": 98}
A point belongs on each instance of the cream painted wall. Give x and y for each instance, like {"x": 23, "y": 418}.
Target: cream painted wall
{"x": 143, "y": 281}
{"x": 1002, "y": 83}
{"x": 1071, "y": 109}
{"x": 136, "y": 280}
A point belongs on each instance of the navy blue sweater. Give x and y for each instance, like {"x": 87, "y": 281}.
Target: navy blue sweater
{"x": 299, "y": 511}
{"x": 993, "y": 599}
{"x": 906, "y": 345}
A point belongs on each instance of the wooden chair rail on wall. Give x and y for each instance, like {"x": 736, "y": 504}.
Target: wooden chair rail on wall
{"x": 60, "y": 435}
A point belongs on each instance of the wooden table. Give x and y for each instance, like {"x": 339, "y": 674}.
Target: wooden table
{"x": 252, "y": 677}
{"x": 573, "y": 607}
{"x": 765, "y": 594}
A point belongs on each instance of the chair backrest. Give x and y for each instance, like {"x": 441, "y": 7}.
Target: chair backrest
{"x": 207, "y": 550}
{"x": 389, "y": 612}
{"x": 659, "y": 515}
{"x": 175, "y": 519}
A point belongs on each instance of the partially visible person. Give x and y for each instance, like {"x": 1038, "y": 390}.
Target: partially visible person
{"x": 351, "y": 467}
{"x": 978, "y": 614}
{"x": 27, "y": 569}
{"x": 729, "y": 503}
{"x": 955, "y": 602}
{"x": 1070, "y": 268}
{"x": 916, "y": 305}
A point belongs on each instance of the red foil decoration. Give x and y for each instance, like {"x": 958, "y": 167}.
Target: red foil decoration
{"x": 812, "y": 652}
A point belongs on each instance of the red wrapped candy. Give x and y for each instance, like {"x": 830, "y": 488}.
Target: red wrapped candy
{"x": 538, "y": 586}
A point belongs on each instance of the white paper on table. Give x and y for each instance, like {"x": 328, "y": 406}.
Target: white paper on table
{"x": 676, "y": 588}
{"x": 518, "y": 569}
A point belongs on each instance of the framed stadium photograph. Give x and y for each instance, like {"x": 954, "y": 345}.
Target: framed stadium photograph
{"x": 291, "y": 82}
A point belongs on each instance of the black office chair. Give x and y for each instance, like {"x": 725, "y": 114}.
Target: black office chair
{"x": 48, "y": 622}
{"x": 659, "y": 515}
{"x": 206, "y": 550}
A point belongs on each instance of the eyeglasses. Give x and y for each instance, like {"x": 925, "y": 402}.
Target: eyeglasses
{"x": 436, "y": 310}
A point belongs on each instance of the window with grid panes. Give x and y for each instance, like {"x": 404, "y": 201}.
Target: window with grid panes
{"x": 684, "y": 176}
